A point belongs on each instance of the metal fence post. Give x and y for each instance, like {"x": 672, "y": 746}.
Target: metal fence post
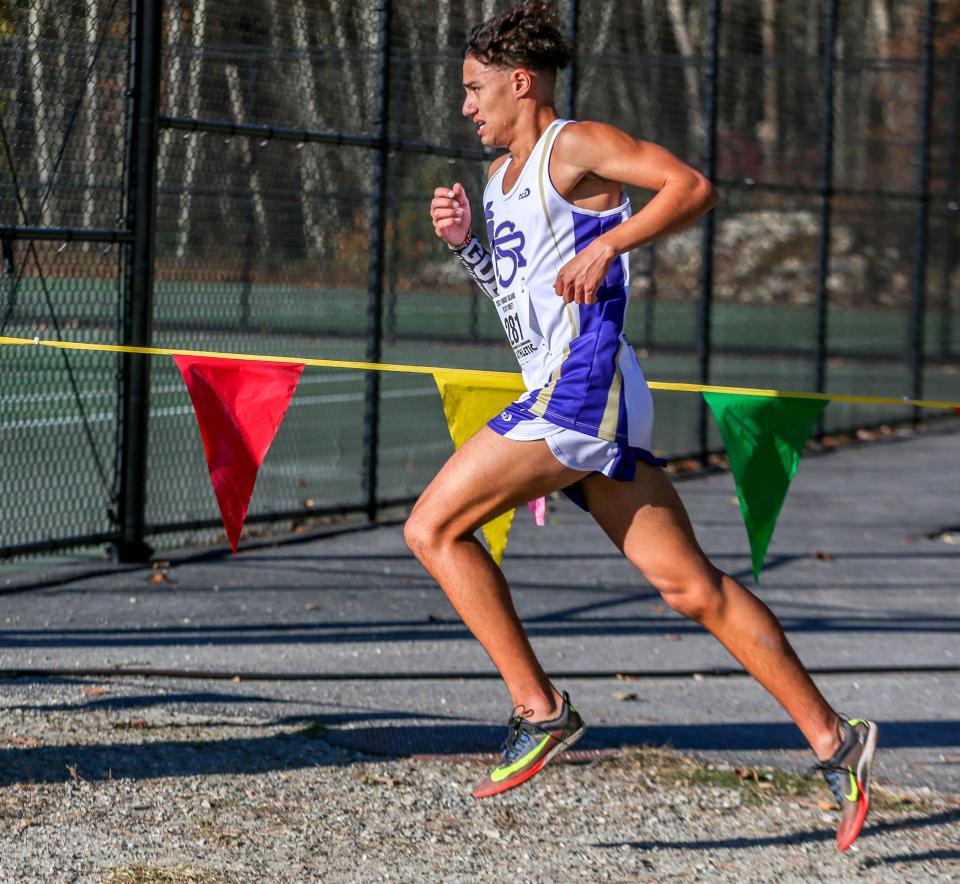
{"x": 826, "y": 204}
{"x": 950, "y": 215}
{"x": 145, "y": 46}
{"x": 378, "y": 198}
{"x": 918, "y": 306}
{"x": 704, "y": 315}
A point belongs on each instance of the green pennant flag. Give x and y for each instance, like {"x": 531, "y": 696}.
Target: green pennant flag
{"x": 764, "y": 438}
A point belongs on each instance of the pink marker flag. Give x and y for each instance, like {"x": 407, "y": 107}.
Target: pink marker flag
{"x": 539, "y": 509}
{"x": 239, "y": 405}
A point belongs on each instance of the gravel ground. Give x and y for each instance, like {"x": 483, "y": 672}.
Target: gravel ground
{"x": 93, "y": 790}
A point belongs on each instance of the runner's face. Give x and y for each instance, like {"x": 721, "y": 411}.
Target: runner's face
{"x": 488, "y": 102}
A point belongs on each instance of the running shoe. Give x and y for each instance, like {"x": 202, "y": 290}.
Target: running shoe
{"x": 530, "y": 745}
{"x": 848, "y": 775}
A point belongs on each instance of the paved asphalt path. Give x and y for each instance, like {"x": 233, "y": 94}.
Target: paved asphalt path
{"x": 864, "y": 573}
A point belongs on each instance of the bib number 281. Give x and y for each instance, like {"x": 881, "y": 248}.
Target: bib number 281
{"x": 512, "y": 325}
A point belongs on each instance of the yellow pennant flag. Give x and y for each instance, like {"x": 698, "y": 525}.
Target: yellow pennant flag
{"x": 468, "y": 405}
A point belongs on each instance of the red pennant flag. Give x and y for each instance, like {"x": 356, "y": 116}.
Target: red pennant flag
{"x": 239, "y": 405}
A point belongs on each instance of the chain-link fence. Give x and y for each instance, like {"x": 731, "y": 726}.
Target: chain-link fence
{"x": 254, "y": 177}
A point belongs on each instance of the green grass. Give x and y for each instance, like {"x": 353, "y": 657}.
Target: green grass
{"x": 754, "y": 785}
{"x": 144, "y": 874}
{"x": 316, "y": 730}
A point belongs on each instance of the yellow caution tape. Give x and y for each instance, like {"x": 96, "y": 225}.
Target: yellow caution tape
{"x": 501, "y": 378}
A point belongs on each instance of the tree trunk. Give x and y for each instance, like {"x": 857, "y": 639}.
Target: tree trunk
{"x": 441, "y": 81}
{"x": 769, "y": 129}
{"x": 691, "y": 74}
{"x": 42, "y": 110}
{"x": 249, "y": 163}
{"x": 311, "y": 173}
{"x": 192, "y": 158}
{"x": 92, "y": 96}
{"x": 353, "y": 76}
{"x": 174, "y": 89}
{"x": 588, "y": 73}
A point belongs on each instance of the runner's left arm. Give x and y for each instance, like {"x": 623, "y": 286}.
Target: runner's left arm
{"x": 682, "y": 196}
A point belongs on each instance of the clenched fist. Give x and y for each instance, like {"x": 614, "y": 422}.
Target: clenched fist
{"x": 450, "y": 214}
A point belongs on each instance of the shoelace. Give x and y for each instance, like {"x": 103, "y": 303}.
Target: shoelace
{"x": 836, "y": 778}
{"x": 837, "y": 775}
{"x": 510, "y": 748}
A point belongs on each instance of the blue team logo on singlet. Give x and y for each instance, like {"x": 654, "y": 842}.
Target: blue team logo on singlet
{"x": 507, "y": 243}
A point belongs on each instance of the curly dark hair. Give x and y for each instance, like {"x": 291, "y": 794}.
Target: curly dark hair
{"x": 528, "y": 35}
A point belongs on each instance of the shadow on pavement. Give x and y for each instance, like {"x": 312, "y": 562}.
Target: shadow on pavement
{"x": 448, "y": 739}
{"x": 929, "y": 856}
{"x": 581, "y": 621}
{"x": 319, "y": 742}
{"x": 871, "y": 830}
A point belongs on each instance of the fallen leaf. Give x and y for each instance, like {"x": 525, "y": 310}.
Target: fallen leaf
{"x": 159, "y": 565}
{"x": 235, "y": 679}
{"x": 93, "y": 692}
{"x": 698, "y": 676}
{"x": 369, "y": 779}
{"x": 623, "y": 676}
{"x": 136, "y": 724}
{"x": 310, "y": 606}
{"x": 824, "y": 804}
{"x": 822, "y": 555}
{"x": 623, "y": 696}
{"x": 672, "y": 636}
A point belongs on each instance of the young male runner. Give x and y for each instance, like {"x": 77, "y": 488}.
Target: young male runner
{"x": 558, "y": 228}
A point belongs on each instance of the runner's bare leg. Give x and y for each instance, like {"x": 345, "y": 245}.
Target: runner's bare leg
{"x": 647, "y": 521}
{"x": 487, "y": 476}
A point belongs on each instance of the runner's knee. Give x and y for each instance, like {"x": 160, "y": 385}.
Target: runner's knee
{"x": 696, "y": 596}
{"x": 418, "y": 534}
{"x": 425, "y": 531}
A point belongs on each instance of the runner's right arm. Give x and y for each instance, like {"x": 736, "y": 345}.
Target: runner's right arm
{"x": 450, "y": 213}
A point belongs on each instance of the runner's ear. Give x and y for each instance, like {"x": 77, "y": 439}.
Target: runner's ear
{"x": 521, "y": 82}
